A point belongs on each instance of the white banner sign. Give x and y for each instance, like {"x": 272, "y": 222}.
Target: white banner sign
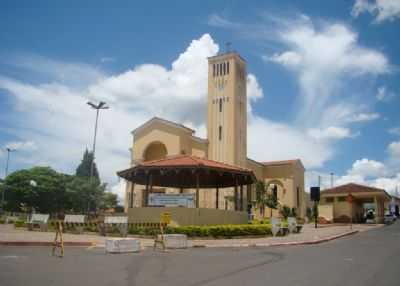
{"x": 171, "y": 200}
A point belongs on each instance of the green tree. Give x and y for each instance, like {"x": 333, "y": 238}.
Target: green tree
{"x": 265, "y": 199}
{"x": 84, "y": 195}
{"x": 285, "y": 211}
{"x": 41, "y": 188}
{"x": 108, "y": 201}
{"x": 83, "y": 169}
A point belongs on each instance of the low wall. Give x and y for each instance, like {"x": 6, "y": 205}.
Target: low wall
{"x": 187, "y": 216}
{"x": 326, "y": 211}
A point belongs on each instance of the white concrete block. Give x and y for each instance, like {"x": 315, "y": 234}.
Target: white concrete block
{"x": 175, "y": 241}
{"x": 122, "y": 245}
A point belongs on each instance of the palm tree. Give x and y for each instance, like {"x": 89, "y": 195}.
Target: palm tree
{"x": 265, "y": 198}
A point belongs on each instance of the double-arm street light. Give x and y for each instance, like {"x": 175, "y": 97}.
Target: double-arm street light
{"x": 101, "y": 105}
{"x": 9, "y": 150}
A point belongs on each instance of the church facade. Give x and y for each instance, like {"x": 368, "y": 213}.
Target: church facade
{"x": 226, "y": 142}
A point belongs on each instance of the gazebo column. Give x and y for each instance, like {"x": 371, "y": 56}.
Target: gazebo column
{"x": 131, "y": 197}
{"x": 217, "y": 198}
{"x": 197, "y": 190}
{"x": 235, "y": 195}
{"x": 146, "y": 192}
{"x": 241, "y": 197}
{"x": 248, "y": 195}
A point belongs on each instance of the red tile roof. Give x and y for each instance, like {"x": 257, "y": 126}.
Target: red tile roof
{"x": 190, "y": 161}
{"x": 278, "y": 163}
{"x": 351, "y": 188}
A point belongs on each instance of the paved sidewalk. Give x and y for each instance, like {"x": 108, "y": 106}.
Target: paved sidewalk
{"x": 308, "y": 235}
{"x": 10, "y": 235}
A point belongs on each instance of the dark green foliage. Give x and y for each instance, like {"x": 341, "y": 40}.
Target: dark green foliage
{"x": 226, "y": 231}
{"x": 285, "y": 211}
{"x": 83, "y": 169}
{"x": 309, "y": 213}
{"x": 47, "y": 196}
{"x": 19, "y": 223}
{"x": 264, "y": 198}
{"x": 293, "y": 212}
{"x": 85, "y": 195}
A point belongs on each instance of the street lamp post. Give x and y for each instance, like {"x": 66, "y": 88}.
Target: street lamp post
{"x": 9, "y": 150}
{"x": 101, "y": 105}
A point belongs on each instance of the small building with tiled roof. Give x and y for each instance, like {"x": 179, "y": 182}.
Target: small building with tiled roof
{"x": 352, "y": 202}
{"x": 226, "y": 143}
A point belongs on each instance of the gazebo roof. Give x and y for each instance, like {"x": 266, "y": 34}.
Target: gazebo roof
{"x": 185, "y": 171}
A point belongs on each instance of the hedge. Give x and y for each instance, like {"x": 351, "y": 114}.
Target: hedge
{"x": 222, "y": 230}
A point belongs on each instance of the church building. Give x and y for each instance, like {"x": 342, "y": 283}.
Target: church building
{"x": 226, "y": 143}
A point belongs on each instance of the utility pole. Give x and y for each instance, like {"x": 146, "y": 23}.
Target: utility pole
{"x": 9, "y": 150}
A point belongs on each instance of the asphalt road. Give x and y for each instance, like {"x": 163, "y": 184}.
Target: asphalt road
{"x": 369, "y": 258}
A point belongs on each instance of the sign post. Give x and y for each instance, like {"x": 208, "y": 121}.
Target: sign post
{"x": 165, "y": 219}
{"x": 315, "y": 196}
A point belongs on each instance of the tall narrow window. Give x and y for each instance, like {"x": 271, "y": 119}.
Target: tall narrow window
{"x": 220, "y": 105}
{"x": 227, "y": 68}
{"x": 213, "y": 69}
{"x": 224, "y": 68}
{"x": 275, "y": 192}
{"x": 220, "y": 69}
{"x": 220, "y": 133}
{"x": 298, "y": 197}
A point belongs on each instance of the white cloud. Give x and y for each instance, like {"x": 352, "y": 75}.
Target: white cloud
{"x": 268, "y": 140}
{"x": 367, "y": 168}
{"x": 382, "y": 9}
{"x": 289, "y": 59}
{"x": 384, "y": 95}
{"x": 364, "y": 117}
{"x": 332, "y": 132}
{"x": 119, "y": 189}
{"x": 394, "y": 131}
{"x": 394, "y": 149}
{"x": 371, "y": 173}
{"x": 326, "y": 58}
{"x": 21, "y": 145}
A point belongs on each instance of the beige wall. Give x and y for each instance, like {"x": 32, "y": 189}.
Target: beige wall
{"x": 343, "y": 208}
{"x": 186, "y": 216}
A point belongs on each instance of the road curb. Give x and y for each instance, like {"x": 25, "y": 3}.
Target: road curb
{"x": 231, "y": 245}
{"x": 291, "y": 243}
{"x": 45, "y": 243}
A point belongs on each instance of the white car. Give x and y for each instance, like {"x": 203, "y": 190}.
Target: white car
{"x": 389, "y": 218}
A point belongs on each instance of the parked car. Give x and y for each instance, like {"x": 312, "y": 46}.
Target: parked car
{"x": 389, "y": 218}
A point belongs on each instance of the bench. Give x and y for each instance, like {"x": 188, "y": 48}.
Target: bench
{"x": 75, "y": 222}
{"x": 120, "y": 222}
{"x": 39, "y": 220}
{"x": 12, "y": 219}
{"x": 293, "y": 226}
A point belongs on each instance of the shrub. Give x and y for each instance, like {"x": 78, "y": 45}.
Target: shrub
{"x": 2, "y": 221}
{"x": 222, "y": 230}
{"x": 285, "y": 211}
{"x": 19, "y": 223}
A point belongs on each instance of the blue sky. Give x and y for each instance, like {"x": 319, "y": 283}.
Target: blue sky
{"x": 323, "y": 79}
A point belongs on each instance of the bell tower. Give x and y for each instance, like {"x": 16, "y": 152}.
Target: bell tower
{"x": 227, "y": 109}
